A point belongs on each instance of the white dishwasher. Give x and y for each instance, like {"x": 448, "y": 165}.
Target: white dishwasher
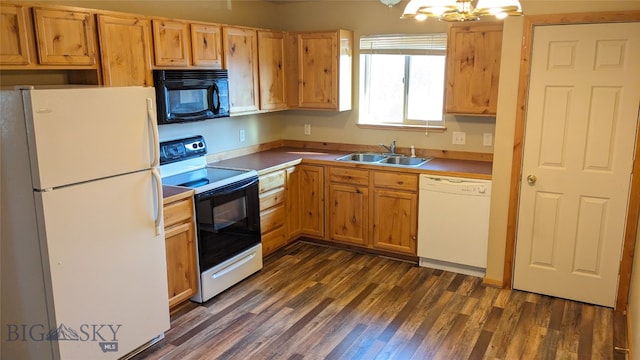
{"x": 453, "y": 224}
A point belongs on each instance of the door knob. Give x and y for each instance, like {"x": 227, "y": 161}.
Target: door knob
{"x": 531, "y": 179}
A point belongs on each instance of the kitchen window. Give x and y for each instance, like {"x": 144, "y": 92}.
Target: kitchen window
{"x": 402, "y": 79}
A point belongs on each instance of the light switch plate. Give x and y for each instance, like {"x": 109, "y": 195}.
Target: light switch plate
{"x": 487, "y": 139}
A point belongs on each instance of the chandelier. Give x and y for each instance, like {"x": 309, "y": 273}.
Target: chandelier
{"x": 460, "y": 10}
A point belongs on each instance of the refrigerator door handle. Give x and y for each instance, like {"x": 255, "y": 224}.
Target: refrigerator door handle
{"x": 154, "y": 133}
{"x": 158, "y": 181}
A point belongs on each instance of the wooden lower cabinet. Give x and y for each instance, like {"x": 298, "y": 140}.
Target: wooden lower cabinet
{"x": 291, "y": 205}
{"x": 349, "y": 213}
{"x": 311, "y": 196}
{"x": 373, "y": 209}
{"x": 395, "y": 220}
{"x": 395, "y": 211}
{"x": 182, "y": 272}
{"x": 304, "y": 199}
{"x": 272, "y": 211}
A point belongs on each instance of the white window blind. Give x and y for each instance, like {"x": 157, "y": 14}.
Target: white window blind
{"x": 406, "y": 44}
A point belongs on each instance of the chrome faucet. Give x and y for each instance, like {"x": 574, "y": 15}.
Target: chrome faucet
{"x": 391, "y": 149}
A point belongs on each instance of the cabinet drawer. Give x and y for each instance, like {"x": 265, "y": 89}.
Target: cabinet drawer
{"x": 272, "y": 218}
{"x": 395, "y": 180}
{"x": 271, "y": 181}
{"x": 271, "y": 198}
{"x": 350, "y": 176}
{"x": 177, "y": 211}
{"x": 273, "y": 240}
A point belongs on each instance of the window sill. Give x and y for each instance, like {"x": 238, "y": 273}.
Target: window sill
{"x": 431, "y": 128}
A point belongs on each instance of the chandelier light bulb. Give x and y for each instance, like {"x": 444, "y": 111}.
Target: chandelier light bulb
{"x": 461, "y": 10}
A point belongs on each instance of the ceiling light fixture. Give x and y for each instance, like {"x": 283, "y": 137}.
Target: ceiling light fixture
{"x": 461, "y": 10}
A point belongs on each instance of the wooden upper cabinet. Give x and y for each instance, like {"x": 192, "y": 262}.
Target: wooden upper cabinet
{"x": 473, "y": 68}
{"x": 171, "y": 43}
{"x": 125, "y": 43}
{"x": 14, "y": 35}
{"x": 241, "y": 60}
{"x": 324, "y": 66}
{"x": 181, "y": 44}
{"x": 206, "y": 45}
{"x": 271, "y": 68}
{"x": 65, "y": 37}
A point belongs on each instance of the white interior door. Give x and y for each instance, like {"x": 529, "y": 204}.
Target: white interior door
{"x": 580, "y": 134}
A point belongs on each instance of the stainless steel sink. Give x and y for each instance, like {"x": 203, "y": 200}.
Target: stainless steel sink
{"x": 405, "y": 161}
{"x": 362, "y": 157}
{"x": 384, "y": 159}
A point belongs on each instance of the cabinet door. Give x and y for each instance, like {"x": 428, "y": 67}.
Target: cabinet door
{"x": 395, "y": 221}
{"x": 65, "y": 37}
{"x": 312, "y": 200}
{"x": 271, "y": 68}
{"x": 206, "y": 45}
{"x": 318, "y": 70}
{"x": 126, "y": 50}
{"x": 293, "y": 202}
{"x": 181, "y": 262}
{"x": 349, "y": 213}
{"x": 14, "y": 39}
{"x": 241, "y": 60}
{"x": 473, "y": 68}
{"x": 171, "y": 44}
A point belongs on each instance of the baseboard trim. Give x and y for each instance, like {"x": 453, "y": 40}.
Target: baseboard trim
{"x": 492, "y": 282}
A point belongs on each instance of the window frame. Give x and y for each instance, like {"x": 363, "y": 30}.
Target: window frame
{"x": 405, "y": 45}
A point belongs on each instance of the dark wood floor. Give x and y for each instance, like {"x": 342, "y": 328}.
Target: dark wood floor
{"x": 315, "y": 302}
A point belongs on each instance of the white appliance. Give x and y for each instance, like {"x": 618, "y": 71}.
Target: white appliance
{"x": 453, "y": 224}
{"x": 227, "y": 210}
{"x": 83, "y": 254}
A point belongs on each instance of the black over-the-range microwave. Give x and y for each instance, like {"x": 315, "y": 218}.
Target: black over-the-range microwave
{"x": 191, "y": 95}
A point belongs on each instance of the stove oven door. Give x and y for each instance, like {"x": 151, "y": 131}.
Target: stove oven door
{"x": 228, "y": 222}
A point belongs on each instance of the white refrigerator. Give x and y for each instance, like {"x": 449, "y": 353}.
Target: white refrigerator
{"x": 83, "y": 268}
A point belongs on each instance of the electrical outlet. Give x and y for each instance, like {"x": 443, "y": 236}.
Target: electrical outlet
{"x": 459, "y": 138}
{"x": 242, "y": 138}
{"x": 307, "y": 129}
{"x": 487, "y": 139}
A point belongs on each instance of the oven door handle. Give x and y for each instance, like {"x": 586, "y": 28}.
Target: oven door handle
{"x": 238, "y": 188}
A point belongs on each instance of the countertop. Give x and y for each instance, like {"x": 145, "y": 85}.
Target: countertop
{"x": 270, "y": 160}
{"x": 175, "y": 193}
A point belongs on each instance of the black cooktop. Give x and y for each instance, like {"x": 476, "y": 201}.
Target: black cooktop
{"x": 206, "y": 176}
